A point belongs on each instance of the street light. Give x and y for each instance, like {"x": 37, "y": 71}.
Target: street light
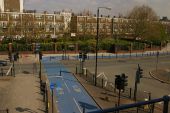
{"x": 97, "y": 39}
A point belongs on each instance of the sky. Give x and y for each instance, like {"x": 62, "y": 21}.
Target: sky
{"x": 161, "y": 7}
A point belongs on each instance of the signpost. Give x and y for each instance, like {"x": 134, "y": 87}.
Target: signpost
{"x": 52, "y": 86}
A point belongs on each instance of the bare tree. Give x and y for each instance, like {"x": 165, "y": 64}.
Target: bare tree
{"x": 141, "y": 18}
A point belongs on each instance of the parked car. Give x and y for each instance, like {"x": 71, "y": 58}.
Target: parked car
{"x": 3, "y": 63}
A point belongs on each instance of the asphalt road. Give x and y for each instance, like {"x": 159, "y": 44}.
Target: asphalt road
{"x": 112, "y": 67}
{"x": 70, "y": 95}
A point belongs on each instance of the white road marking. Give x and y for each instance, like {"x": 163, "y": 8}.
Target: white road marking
{"x": 77, "y": 105}
{"x": 55, "y": 76}
{"x": 9, "y": 70}
{"x": 67, "y": 87}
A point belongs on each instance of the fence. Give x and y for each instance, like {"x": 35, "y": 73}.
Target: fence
{"x": 151, "y": 103}
{"x": 4, "y": 110}
{"x": 7, "y": 71}
{"x": 127, "y": 93}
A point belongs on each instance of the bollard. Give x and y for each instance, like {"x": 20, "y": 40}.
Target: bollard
{"x": 11, "y": 72}
{"x": 76, "y": 69}
{"x": 102, "y": 82}
{"x": 2, "y": 73}
{"x": 7, "y": 110}
{"x": 60, "y": 72}
{"x": 46, "y": 100}
{"x": 130, "y": 93}
{"x": 86, "y": 74}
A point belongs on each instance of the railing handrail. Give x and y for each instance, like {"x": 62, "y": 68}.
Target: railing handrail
{"x": 166, "y": 99}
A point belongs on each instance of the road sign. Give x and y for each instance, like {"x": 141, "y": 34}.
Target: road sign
{"x": 52, "y": 85}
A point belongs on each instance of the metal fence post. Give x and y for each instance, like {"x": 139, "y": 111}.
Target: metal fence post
{"x": 46, "y": 100}
{"x": 84, "y": 109}
{"x": 152, "y": 108}
{"x": 137, "y": 110}
{"x": 166, "y": 104}
{"x": 102, "y": 82}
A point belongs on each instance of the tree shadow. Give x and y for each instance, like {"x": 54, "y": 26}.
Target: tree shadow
{"x": 20, "y": 109}
{"x": 87, "y": 106}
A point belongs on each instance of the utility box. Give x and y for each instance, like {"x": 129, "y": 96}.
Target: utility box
{"x": 84, "y": 71}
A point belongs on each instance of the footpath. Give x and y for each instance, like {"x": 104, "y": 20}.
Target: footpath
{"x": 22, "y": 92}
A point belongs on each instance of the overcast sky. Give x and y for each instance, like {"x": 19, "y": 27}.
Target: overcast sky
{"x": 161, "y": 7}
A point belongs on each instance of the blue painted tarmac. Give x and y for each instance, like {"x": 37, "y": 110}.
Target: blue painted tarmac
{"x": 70, "y": 95}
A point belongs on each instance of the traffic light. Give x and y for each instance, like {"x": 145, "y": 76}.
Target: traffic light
{"x": 80, "y": 54}
{"x": 84, "y": 56}
{"x": 37, "y": 47}
{"x": 121, "y": 81}
{"x": 118, "y": 82}
{"x": 124, "y": 80}
{"x": 139, "y": 74}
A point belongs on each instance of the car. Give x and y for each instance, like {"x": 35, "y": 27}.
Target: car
{"x": 3, "y": 63}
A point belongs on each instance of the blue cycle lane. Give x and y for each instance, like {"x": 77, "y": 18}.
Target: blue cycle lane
{"x": 71, "y": 96}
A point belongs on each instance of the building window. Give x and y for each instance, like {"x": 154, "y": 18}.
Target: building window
{"x": 39, "y": 17}
{"x": 15, "y": 16}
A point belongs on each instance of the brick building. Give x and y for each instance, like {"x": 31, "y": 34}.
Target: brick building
{"x": 11, "y": 5}
{"x": 30, "y": 24}
{"x": 83, "y": 25}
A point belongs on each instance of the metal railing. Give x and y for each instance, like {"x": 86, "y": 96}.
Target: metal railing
{"x": 4, "y": 110}
{"x": 164, "y": 99}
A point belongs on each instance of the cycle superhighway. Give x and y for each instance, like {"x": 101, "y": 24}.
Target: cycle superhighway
{"x": 70, "y": 95}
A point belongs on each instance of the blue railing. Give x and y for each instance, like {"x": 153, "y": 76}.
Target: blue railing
{"x": 165, "y": 99}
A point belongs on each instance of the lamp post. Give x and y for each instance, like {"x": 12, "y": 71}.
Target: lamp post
{"x": 97, "y": 39}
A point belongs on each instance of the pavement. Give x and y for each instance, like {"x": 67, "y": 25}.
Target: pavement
{"x": 22, "y": 92}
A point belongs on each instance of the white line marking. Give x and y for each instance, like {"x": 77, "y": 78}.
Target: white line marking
{"x": 67, "y": 87}
{"x": 55, "y": 77}
{"x": 77, "y": 105}
{"x": 9, "y": 70}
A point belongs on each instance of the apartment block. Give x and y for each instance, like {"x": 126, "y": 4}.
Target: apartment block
{"x": 31, "y": 24}
{"x": 83, "y": 25}
{"x": 11, "y": 5}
